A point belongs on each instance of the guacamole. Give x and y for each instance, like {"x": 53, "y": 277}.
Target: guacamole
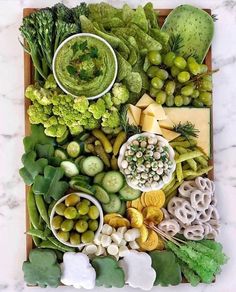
{"x": 85, "y": 65}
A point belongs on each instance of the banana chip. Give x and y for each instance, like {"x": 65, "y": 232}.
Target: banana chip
{"x": 154, "y": 198}
{"x": 135, "y": 216}
{"x": 143, "y": 233}
{"x": 153, "y": 214}
{"x": 151, "y": 243}
{"x": 117, "y": 222}
{"x": 108, "y": 217}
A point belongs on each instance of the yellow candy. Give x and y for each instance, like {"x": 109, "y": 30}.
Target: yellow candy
{"x": 117, "y": 222}
{"x": 154, "y": 198}
{"x": 142, "y": 200}
{"x": 136, "y": 217}
{"x": 107, "y": 217}
{"x": 153, "y": 214}
{"x": 151, "y": 243}
{"x": 143, "y": 233}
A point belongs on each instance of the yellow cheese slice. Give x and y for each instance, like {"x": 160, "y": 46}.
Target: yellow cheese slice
{"x": 151, "y": 125}
{"x": 169, "y": 135}
{"x": 155, "y": 110}
{"x": 141, "y": 119}
{"x": 136, "y": 112}
{"x": 130, "y": 118}
{"x": 145, "y": 101}
{"x": 167, "y": 123}
{"x": 200, "y": 117}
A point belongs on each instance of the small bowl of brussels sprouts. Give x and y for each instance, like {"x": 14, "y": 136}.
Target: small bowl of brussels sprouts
{"x": 76, "y": 219}
{"x": 147, "y": 161}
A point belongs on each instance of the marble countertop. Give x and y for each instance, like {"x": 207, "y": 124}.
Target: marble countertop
{"x": 12, "y": 196}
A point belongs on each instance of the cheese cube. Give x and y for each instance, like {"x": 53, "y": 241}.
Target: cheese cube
{"x": 151, "y": 125}
{"x": 155, "y": 110}
{"x": 169, "y": 135}
{"x": 145, "y": 101}
{"x": 141, "y": 119}
{"x": 131, "y": 118}
{"x": 136, "y": 112}
{"x": 167, "y": 124}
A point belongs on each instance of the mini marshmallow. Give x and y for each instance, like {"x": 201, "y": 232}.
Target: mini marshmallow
{"x": 105, "y": 240}
{"x": 133, "y": 245}
{"x": 100, "y": 250}
{"x": 117, "y": 237}
{"x": 132, "y": 234}
{"x": 122, "y": 230}
{"x": 113, "y": 249}
{"x": 123, "y": 242}
{"x": 122, "y": 251}
{"x": 107, "y": 229}
{"x": 91, "y": 249}
{"x": 97, "y": 239}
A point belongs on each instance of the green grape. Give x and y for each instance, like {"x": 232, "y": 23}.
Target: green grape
{"x": 161, "y": 97}
{"x": 206, "y": 85}
{"x": 187, "y": 100}
{"x": 168, "y": 59}
{"x": 180, "y": 62}
{"x": 187, "y": 90}
{"x": 84, "y": 217}
{"x": 197, "y": 103}
{"x": 203, "y": 68}
{"x": 87, "y": 236}
{"x": 162, "y": 74}
{"x": 207, "y": 77}
{"x": 154, "y": 57}
{"x": 191, "y": 60}
{"x": 170, "y": 87}
{"x": 93, "y": 225}
{"x": 56, "y": 222}
{"x": 194, "y": 68}
{"x": 174, "y": 71}
{"x": 157, "y": 83}
{"x": 195, "y": 93}
{"x": 93, "y": 212}
{"x": 70, "y": 212}
{"x": 179, "y": 100}
{"x": 152, "y": 71}
{"x": 82, "y": 208}
{"x": 60, "y": 208}
{"x": 153, "y": 91}
{"x": 67, "y": 225}
{"x": 63, "y": 235}
{"x": 170, "y": 101}
{"x": 81, "y": 226}
{"x": 75, "y": 238}
{"x": 206, "y": 98}
{"x": 72, "y": 200}
{"x": 183, "y": 76}
{"x": 86, "y": 201}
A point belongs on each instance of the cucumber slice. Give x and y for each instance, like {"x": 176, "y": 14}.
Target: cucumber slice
{"x": 122, "y": 209}
{"x": 60, "y": 153}
{"x": 113, "y": 181}
{"x": 80, "y": 185}
{"x": 74, "y": 149}
{"x": 128, "y": 194}
{"x": 101, "y": 194}
{"x": 92, "y": 165}
{"x": 78, "y": 159}
{"x": 82, "y": 136}
{"x": 81, "y": 164}
{"x": 83, "y": 178}
{"x": 69, "y": 168}
{"x": 63, "y": 139}
{"x": 113, "y": 206}
{"x": 98, "y": 178}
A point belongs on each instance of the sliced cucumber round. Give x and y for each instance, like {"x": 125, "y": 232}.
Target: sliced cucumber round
{"x": 74, "y": 149}
{"x": 122, "y": 209}
{"x": 80, "y": 185}
{"x": 113, "y": 206}
{"x": 98, "y": 178}
{"x": 60, "y": 153}
{"x": 101, "y": 194}
{"x": 92, "y": 165}
{"x": 63, "y": 139}
{"x": 129, "y": 194}
{"x": 113, "y": 181}
{"x": 69, "y": 168}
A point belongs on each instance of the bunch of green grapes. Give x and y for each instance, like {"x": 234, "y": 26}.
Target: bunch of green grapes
{"x": 176, "y": 81}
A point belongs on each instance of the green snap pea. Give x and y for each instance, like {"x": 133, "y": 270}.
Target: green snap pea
{"x": 33, "y": 211}
{"x": 186, "y": 144}
{"x": 171, "y": 195}
{"x": 188, "y": 155}
{"x": 50, "y": 207}
{"x": 170, "y": 185}
{"x": 50, "y": 245}
{"x": 202, "y": 161}
{"x": 60, "y": 245}
{"x": 190, "y": 162}
{"x": 36, "y": 240}
{"x": 179, "y": 171}
{"x": 192, "y": 174}
{"x": 41, "y": 206}
{"x": 36, "y": 233}
{"x": 175, "y": 187}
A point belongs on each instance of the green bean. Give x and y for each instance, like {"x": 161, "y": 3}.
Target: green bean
{"x": 36, "y": 233}
{"x": 179, "y": 172}
{"x": 33, "y": 211}
{"x": 186, "y": 144}
{"x": 36, "y": 241}
{"x": 60, "y": 245}
{"x": 202, "y": 161}
{"x": 194, "y": 174}
{"x": 175, "y": 187}
{"x": 179, "y": 139}
{"x": 41, "y": 206}
{"x": 50, "y": 207}
{"x": 50, "y": 245}
{"x": 47, "y": 232}
{"x": 190, "y": 162}
{"x": 170, "y": 185}
{"x": 188, "y": 155}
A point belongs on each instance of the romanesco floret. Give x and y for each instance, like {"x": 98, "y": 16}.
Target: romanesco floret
{"x": 111, "y": 118}
{"x": 75, "y": 129}
{"x": 42, "y": 95}
{"x": 55, "y": 130}
{"x": 50, "y": 122}
{"x": 108, "y": 101}
{"x": 50, "y": 82}
{"x": 92, "y": 124}
{"x": 81, "y": 104}
{"x": 97, "y": 109}
{"x": 32, "y": 92}
{"x": 38, "y": 113}
{"x": 120, "y": 94}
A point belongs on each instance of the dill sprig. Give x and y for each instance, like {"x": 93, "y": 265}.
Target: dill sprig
{"x": 175, "y": 43}
{"x": 186, "y": 130}
{"x": 129, "y": 129}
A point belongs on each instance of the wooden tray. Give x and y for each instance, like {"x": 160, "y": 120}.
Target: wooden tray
{"x": 28, "y": 79}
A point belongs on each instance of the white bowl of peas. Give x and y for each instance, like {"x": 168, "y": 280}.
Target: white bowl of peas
{"x": 76, "y": 219}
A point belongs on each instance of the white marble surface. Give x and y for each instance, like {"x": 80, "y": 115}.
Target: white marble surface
{"x": 12, "y": 196}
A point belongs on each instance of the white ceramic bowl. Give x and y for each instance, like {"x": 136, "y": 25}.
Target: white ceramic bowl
{"x": 96, "y": 37}
{"x": 92, "y": 200}
{"x": 171, "y": 153}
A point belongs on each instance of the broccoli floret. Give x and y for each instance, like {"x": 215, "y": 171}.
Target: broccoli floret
{"x": 55, "y": 130}
{"x": 81, "y": 104}
{"x": 111, "y": 118}
{"x": 98, "y": 109}
{"x": 108, "y": 101}
{"x": 120, "y": 94}
{"x": 50, "y": 82}
{"x": 39, "y": 114}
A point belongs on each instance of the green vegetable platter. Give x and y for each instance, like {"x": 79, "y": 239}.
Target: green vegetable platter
{"x": 118, "y": 156}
